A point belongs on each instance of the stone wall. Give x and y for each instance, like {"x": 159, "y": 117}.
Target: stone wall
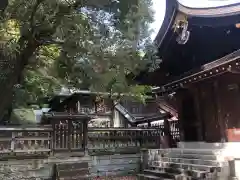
{"x": 107, "y": 165}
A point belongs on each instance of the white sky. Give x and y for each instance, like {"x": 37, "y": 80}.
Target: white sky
{"x": 160, "y": 6}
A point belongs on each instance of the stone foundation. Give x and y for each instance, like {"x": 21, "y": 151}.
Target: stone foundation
{"x": 107, "y": 165}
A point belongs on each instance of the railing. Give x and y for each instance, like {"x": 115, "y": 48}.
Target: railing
{"x": 94, "y": 109}
{"x": 120, "y": 140}
{"x": 72, "y": 136}
{"x": 175, "y": 132}
{"x": 25, "y": 141}
{"x": 68, "y": 135}
{"x": 174, "y": 129}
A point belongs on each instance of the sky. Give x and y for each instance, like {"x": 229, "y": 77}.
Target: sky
{"x": 159, "y": 7}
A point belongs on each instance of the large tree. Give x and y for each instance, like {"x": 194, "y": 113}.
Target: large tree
{"x": 75, "y": 43}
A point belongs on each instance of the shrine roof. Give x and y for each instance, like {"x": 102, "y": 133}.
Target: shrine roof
{"x": 213, "y": 35}
{"x": 56, "y": 112}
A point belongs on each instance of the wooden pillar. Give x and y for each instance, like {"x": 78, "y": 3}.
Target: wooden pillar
{"x": 168, "y": 139}
{"x": 85, "y": 135}
{"x": 118, "y": 120}
{"x": 218, "y": 111}
{"x": 180, "y": 118}
{"x": 70, "y": 129}
{"x": 53, "y": 136}
{"x": 112, "y": 114}
{"x": 149, "y": 124}
{"x": 199, "y": 113}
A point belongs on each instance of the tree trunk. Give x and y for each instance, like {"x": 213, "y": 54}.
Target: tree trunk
{"x": 7, "y": 116}
{"x": 11, "y": 69}
{"x": 112, "y": 114}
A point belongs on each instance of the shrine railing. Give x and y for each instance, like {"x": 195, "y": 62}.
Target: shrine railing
{"x": 25, "y": 141}
{"x": 70, "y": 136}
{"x": 174, "y": 128}
{"x": 122, "y": 140}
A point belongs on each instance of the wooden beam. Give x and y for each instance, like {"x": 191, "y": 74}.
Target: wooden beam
{"x": 234, "y": 69}
{"x": 228, "y": 63}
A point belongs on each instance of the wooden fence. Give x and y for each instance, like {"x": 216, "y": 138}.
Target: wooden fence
{"x": 173, "y": 125}
{"x": 25, "y": 140}
{"x": 122, "y": 140}
{"x": 70, "y": 137}
{"x": 174, "y": 129}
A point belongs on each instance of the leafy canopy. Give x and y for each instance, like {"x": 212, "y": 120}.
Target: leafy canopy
{"x": 81, "y": 44}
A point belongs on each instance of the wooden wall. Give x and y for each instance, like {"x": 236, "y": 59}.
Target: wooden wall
{"x": 217, "y": 106}
{"x": 229, "y": 102}
{"x": 207, "y": 107}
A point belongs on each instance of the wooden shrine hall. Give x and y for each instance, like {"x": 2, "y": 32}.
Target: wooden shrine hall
{"x": 200, "y": 70}
{"x": 127, "y": 112}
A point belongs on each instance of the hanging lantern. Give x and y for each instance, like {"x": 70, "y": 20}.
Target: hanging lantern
{"x": 237, "y": 25}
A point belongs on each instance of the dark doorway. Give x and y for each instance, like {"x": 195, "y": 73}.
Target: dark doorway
{"x": 188, "y": 115}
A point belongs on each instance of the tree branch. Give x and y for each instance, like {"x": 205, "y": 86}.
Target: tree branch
{"x": 33, "y": 14}
{"x": 62, "y": 11}
{"x": 51, "y": 41}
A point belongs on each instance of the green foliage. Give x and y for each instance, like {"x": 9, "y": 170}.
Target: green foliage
{"x": 81, "y": 44}
{"x": 23, "y": 116}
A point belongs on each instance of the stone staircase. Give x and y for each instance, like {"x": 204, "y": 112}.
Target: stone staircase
{"x": 184, "y": 164}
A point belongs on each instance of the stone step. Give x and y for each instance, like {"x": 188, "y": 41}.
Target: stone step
{"x": 193, "y": 156}
{"x": 184, "y": 155}
{"x": 183, "y": 150}
{"x": 192, "y": 161}
{"x": 189, "y": 166}
{"x": 178, "y": 173}
{"x": 191, "y": 173}
{"x": 162, "y": 174}
{"x": 198, "y": 145}
{"x": 70, "y": 171}
{"x": 148, "y": 176}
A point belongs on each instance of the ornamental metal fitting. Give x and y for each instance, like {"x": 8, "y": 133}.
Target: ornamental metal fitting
{"x": 183, "y": 33}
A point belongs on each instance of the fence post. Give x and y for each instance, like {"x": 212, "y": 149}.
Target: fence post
{"x": 70, "y": 129}
{"x": 85, "y": 136}
{"x": 232, "y": 169}
{"x": 13, "y": 141}
{"x": 144, "y": 159}
{"x": 53, "y": 139}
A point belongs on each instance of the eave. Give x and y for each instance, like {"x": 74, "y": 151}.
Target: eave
{"x": 217, "y": 21}
{"x": 221, "y": 11}
{"x": 227, "y": 64}
{"x": 170, "y": 14}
